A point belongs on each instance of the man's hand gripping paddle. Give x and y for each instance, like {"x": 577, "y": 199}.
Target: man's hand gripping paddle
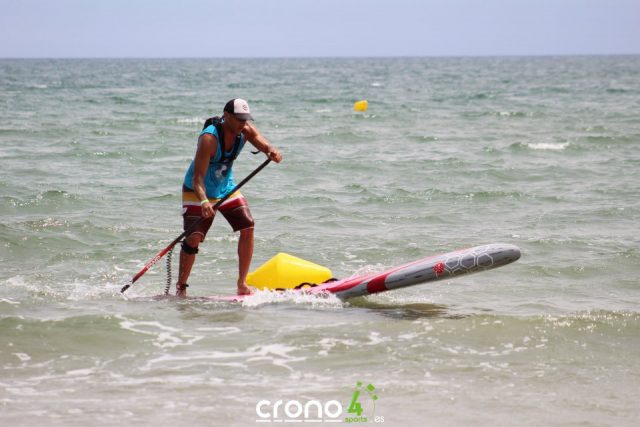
{"x": 190, "y": 229}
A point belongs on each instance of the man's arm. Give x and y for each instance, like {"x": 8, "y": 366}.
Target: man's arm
{"x": 207, "y": 145}
{"x": 252, "y": 135}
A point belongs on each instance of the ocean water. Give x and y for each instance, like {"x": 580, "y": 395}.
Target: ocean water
{"x": 453, "y": 152}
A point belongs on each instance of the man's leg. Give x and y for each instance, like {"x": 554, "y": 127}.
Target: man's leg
{"x": 237, "y": 213}
{"x": 187, "y": 258}
{"x": 245, "y": 253}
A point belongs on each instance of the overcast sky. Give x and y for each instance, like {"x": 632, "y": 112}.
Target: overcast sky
{"x": 310, "y": 28}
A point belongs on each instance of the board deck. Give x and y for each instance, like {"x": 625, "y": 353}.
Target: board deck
{"x": 436, "y": 267}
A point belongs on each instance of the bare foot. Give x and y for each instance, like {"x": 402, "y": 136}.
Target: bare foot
{"x": 244, "y": 289}
{"x": 181, "y": 290}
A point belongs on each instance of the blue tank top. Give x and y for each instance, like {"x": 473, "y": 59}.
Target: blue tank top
{"x": 218, "y": 180}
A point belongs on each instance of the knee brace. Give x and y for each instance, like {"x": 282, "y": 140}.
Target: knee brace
{"x": 189, "y": 249}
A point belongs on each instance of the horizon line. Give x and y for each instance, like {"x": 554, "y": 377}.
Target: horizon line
{"x": 534, "y": 55}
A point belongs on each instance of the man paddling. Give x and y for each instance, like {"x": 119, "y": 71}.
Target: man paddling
{"x": 210, "y": 178}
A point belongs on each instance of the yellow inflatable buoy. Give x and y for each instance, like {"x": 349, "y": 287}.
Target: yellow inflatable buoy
{"x": 285, "y": 271}
{"x": 361, "y": 105}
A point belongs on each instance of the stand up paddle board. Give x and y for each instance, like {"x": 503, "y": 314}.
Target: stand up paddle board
{"x": 437, "y": 267}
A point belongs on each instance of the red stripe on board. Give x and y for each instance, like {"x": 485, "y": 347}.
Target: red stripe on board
{"x": 377, "y": 284}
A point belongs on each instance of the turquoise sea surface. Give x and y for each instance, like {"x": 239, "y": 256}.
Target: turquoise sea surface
{"x": 540, "y": 152}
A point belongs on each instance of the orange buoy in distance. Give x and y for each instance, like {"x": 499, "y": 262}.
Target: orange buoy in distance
{"x": 361, "y": 105}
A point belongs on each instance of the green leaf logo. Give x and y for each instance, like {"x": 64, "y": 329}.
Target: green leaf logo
{"x": 356, "y": 407}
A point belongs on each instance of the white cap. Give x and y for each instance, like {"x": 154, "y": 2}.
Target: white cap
{"x": 239, "y": 108}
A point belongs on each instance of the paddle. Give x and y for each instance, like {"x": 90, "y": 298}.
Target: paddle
{"x": 193, "y": 227}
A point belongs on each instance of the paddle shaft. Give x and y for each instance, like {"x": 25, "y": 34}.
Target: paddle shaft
{"x": 193, "y": 227}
